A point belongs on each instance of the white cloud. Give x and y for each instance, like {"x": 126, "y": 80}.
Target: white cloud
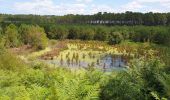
{"x": 84, "y": 1}
{"x": 100, "y": 8}
{"x": 48, "y": 7}
{"x": 35, "y": 7}
{"x": 165, "y": 3}
{"x": 144, "y": 5}
{"x": 153, "y": 1}
{"x": 134, "y": 5}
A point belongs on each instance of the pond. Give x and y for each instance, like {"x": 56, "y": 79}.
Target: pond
{"x": 105, "y": 62}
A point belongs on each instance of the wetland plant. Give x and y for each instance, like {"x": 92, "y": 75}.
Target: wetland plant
{"x": 98, "y": 62}
{"x": 84, "y": 56}
{"x": 61, "y": 60}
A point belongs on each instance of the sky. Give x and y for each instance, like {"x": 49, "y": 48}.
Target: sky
{"x": 63, "y": 7}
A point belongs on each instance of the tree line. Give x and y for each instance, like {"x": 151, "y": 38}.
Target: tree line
{"x": 15, "y": 35}
{"x": 127, "y": 18}
{"x": 113, "y": 35}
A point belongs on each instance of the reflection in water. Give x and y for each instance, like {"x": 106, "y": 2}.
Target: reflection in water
{"x": 109, "y": 62}
{"x": 106, "y": 63}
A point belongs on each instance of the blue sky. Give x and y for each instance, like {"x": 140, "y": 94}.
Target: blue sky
{"x": 62, "y": 7}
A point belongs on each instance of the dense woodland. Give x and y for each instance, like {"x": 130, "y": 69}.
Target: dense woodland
{"x": 155, "y": 29}
{"x": 127, "y": 18}
{"x": 16, "y": 35}
{"x": 146, "y": 79}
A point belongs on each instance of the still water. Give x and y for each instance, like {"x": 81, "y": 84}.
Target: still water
{"x": 105, "y": 63}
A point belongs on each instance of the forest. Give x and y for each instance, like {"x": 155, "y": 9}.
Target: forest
{"x": 105, "y": 56}
{"x": 101, "y": 18}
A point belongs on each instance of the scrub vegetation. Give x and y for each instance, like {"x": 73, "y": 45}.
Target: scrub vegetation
{"x": 83, "y": 59}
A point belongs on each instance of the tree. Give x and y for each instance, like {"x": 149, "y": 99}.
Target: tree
{"x": 149, "y": 19}
{"x": 115, "y": 38}
{"x": 33, "y": 35}
{"x": 162, "y": 36}
{"x": 58, "y": 32}
{"x": 11, "y": 36}
{"x": 168, "y": 19}
{"x": 1, "y": 31}
{"x": 101, "y": 34}
{"x": 1, "y": 19}
{"x": 160, "y": 19}
{"x": 74, "y": 32}
{"x": 87, "y": 34}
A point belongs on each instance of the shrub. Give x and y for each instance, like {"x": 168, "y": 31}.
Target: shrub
{"x": 33, "y": 35}
{"x": 115, "y": 38}
{"x": 9, "y": 61}
{"x": 139, "y": 82}
{"x": 101, "y": 34}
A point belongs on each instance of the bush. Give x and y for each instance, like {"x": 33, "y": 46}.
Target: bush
{"x": 139, "y": 82}
{"x": 74, "y": 33}
{"x": 120, "y": 88}
{"x": 33, "y": 35}
{"x": 9, "y": 61}
{"x": 115, "y": 38}
{"x": 101, "y": 34}
{"x": 73, "y": 85}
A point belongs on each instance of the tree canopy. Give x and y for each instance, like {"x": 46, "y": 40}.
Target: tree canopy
{"x": 102, "y": 18}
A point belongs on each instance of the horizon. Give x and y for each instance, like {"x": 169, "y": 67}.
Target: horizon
{"x": 88, "y": 14}
{"x": 81, "y": 7}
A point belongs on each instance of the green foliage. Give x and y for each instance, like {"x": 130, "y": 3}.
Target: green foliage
{"x": 101, "y": 34}
{"x": 114, "y": 34}
{"x": 58, "y": 32}
{"x": 45, "y": 82}
{"x": 11, "y": 36}
{"x": 8, "y": 79}
{"x": 162, "y": 36}
{"x": 2, "y": 45}
{"x": 15, "y": 92}
{"x": 127, "y": 18}
{"x": 30, "y": 34}
{"x": 1, "y": 31}
{"x": 74, "y": 86}
{"x": 10, "y": 62}
{"x": 33, "y": 35}
{"x": 143, "y": 80}
{"x": 115, "y": 38}
{"x": 138, "y": 83}
{"x": 74, "y": 33}
{"x": 121, "y": 87}
{"x": 87, "y": 34}
{"x": 33, "y": 76}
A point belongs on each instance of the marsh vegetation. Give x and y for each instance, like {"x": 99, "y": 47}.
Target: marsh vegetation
{"x": 84, "y": 62}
